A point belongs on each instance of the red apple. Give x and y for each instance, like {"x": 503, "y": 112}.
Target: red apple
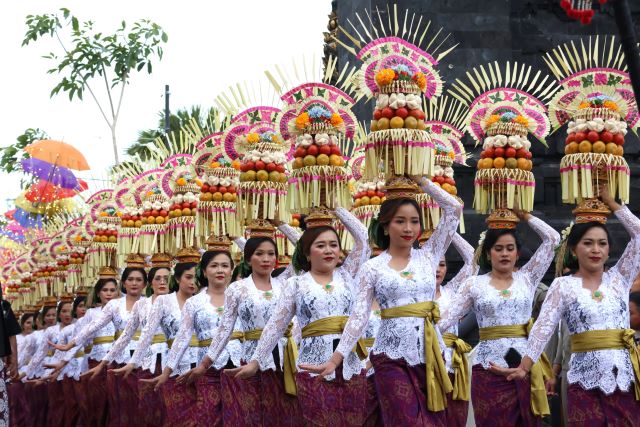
{"x": 222, "y": 189}
{"x": 312, "y": 150}
{"x": 402, "y": 112}
{"x": 417, "y": 113}
{"x": 193, "y": 205}
{"x": 377, "y": 114}
{"x": 521, "y": 153}
{"x": 325, "y": 149}
{"x": 231, "y": 189}
{"x": 155, "y": 213}
{"x": 569, "y": 139}
{"x": 499, "y": 152}
{"x": 606, "y": 136}
{"x": 260, "y": 165}
{"x": 271, "y": 167}
{"x": 300, "y": 152}
{"x": 164, "y": 213}
{"x": 371, "y": 193}
{"x": 387, "y": 112}
{"x": 489, "y": 153}
{"x": 280, "y": 168}
{"x": 593, "y": 136}
{"x": 529, "y": 155}
{"x": 204, "y": 188}
{"x": 483, "y": 154}
{"x": 185, "y": 205}
{"x": 335, "y": 150}
{"x": 449, "y": 181}
{"x": 580, "y": 136}
{"x": 213, "y": 189}
{"x": 380, "y": 194}
{"x": 510, "y": 152}
{"x": 249, "y": 166}
{"x": 439, "y": 179}
{"x": 618, "y": 138}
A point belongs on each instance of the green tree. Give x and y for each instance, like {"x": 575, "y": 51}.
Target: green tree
{"x": 90, "y": 57}
{"x": 11, "y": 156}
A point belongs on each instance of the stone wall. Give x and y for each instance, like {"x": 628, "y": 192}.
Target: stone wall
{"x": 503, "y": 30}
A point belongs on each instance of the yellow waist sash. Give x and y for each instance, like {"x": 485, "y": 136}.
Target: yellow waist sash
{"x": 252, "y": 335}
{"x": 237, "y": 335}
{"x": 540, "y": 371}
{"x": 438, "y": 383}
{"x": 204, "y": 343}
{"x": 461, "y": 378}
{"x": 368, "y": 342}
{"x": 136, "y": 336}
{"x": 88, "y": 349}
{"x": 333, "y": 325}
{"x": 158, "y": 339}
{"x": 102, "y": 340}
{"x": 79, "y": 354}
{"x": 118, "y": 334}
{"x": 610, "y": 339}
{"x": 50, "y": 353}
{"x": 193, "y": 342}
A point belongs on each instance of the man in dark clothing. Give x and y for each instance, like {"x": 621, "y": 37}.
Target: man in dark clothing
{"x": 8, "y": 354}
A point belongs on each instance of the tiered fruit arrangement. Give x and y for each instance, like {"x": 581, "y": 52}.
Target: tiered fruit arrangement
{"x": 321, "y": 150}
{"x": 156, "y": 211}
{"x": 106, "y": 228}
{"x": 397, "y": 111}
{"x": 155, "y": 214}
{"x": 506, "y": 151}
{"x": 132, "y": 217}
{"x": 369, "y": 194}
{"x": 184, "y": 190}
{"x": 262, "y": 163}
{"x": 443, "y": 170}
{"x": 220, "y": 181}
{"x": 181, "y": 205}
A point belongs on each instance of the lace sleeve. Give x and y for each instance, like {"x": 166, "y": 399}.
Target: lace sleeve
{"x": 539, "y": 263}
{"x": 546, "y": 323}
{"x": 77, "y": 330}
{"x": 468, "y": 269}
{"x": 460, "y": 305}
{"x": 361, "y": 250}
{"x": 437, "y": 245}
{"x": 153, "y": 321}
{"x": 129, "y": 330}
{"x": 221, "y": 336}
{"x": 98, "y": 322}
{"x": 41, "y": 352}
{"x": 240, "y": 242}
{"x": 274, "y": 329}
{"x": 181, "y": 341}
{"x": 629, "y": 263}
{"x": 291, "y": 233}
{"x": 361, "y": 310}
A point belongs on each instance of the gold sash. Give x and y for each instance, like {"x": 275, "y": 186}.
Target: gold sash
{"x": 333, "y": 325}
{"x": 158, "y": 339}
{"x": 79, "y": 354}
{"x": 610, "y": 339}
{"x": 118, "y": 334}
{"x": 540, "y": 371}
{"x": 252, "y": 335}
{"x": 193, "y": 342}
{"x": 368, "y": 342}
{"x": 88, "y": 349}
{"x": 237, "y": 335}
{"x": 438, "y": 383}
{"x": 50, "y": 353}
{"x": 136, "y": 336}
{"x": 461, "y": 378}
{"x": 103, "y": 340}
{"x": 204, "y": 343}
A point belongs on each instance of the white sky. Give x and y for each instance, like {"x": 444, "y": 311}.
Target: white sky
{"x": 211, "y": 45}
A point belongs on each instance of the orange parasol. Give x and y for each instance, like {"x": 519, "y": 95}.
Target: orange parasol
{"x": 58, "y": 153}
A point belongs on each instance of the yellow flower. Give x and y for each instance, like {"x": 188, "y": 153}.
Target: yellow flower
{"x": 492, "y": 119}
{"x": 583, "y": 105}
{"x": 253, "y": 137}
{"x": 451, "y": 155}
{"x": 302, "y": 120}
{"x": 385, "y": 76}
{"x": 421, "y": 80}
{"x": 522, "y": 120}
{"x": 611, "y": 105}
{"x": 274, "y": 138}
{"x": 336, "y": 120}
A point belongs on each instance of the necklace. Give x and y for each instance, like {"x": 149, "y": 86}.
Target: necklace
{"x": 505, "y": 293}
{"x": 407, "y": 275}
{"x": 267, "y": 295}
{"x": 328, "y": 287}
{"x": 220, "y": 309}
{"x": 597, "y": 295}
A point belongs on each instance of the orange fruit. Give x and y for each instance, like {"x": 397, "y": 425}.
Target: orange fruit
{"x": 523, "y": 164}
{"x": 186, "y": 211}
{"x": 383, "y": 123}
{"x": 364, "y": 201}
{"x": 217, "y": 196}
{"x": 511, "y": 163}
{"x": 181, "y": 181}
{"x": 236, "y": 164}
{"x": 612, "y": 148}
{"x": 374, "y": 125}
{"x": 215, "y": 165}
{"x": 336, "y": 160}
{"x": 599, "y": 147}
{"x": 498, "y": 162}
{"x": 584, "y": 147}
{"x": 160, "y": 220}
{"x": 619, "y": 150}
{"x": 396, "y": 122}
{"x": 572, "y": 148}
{"x": 227, "y": 197}
{"x": 375, "y": 200}
{"x": 298, "y": 163}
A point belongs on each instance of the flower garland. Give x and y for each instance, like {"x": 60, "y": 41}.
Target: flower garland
{"x": 507, "y": 117}
{"x": 268, "y": 136}
{"x": 401, "y": 72}
{"x": 599, "y": 101}
{"x": 317, "y": 114}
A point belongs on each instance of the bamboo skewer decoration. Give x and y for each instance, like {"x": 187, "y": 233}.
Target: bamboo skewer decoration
{"x": 182, "y": 188}
{"x": 506, "y": 103}
{"x": 597, "y": 103}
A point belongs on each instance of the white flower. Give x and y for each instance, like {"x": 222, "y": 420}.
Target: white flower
{"x": 382, "y": 101}
{"x": 157, "y": 205}
{"x": 448, "y": 172}
{"x": 595, "y": 125}
{"x": 322, "y": 139}
{"x": 500, "y": 140}
{"x": 527, "y": 144}
{"x": 438, "y": 170}
{"x": 413, "y": 101}
{"x": 397, "y": 100}
{"x": 380, "y": 185}
{"x": 488, "y": 143}
{"x": 333, "y": 140}
{"x": 166, "y": 205}
{"x": 146, "y": 204}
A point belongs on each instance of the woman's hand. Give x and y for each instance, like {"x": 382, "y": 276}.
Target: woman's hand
{"x": 246, "y": 371}
{"x": 63, "y": 347}
{"x": 607, "y": 198}
{"x": 94, "y": 372}
{"x": 157, "y": 381}
{"x": 510, "y": 373}
{"x": 550, "y": 385}
{"x": 125, "y": 370}
{"x": 326, "y": 368}
{"x": 192, "y": 375}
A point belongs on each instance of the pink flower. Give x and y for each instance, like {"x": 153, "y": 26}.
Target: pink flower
{"x": 600, "y": 79}
{"x": 436, "y": 129}
{"x": 573, "y": 83}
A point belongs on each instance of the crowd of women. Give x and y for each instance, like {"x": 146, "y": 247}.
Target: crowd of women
{"x": 340, "y": 341}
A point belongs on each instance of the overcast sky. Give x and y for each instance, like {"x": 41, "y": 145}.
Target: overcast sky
{"x": 211, "y": 46}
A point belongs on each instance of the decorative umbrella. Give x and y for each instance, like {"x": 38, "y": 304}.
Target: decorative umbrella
{"x": 58, "y": 153}
{"x": 46, "y": 192}
{"x": 52, "y": 173}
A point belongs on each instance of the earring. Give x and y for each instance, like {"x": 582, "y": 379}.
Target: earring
{"x": 308, "y": 259}
{"x": 386, "y": 232}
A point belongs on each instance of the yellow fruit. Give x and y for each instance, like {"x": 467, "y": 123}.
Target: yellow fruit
{"x": 217, "y": 196}
{"x": 572, "y": 148}
{"x": 250, "y": 175}
{"x": 523, "y": 164}
{"x": 181, "y": 181}
{"x": 421, "y": 125}
{"x": 227, "y": 197}
{"x": 336, "y": 160}
{"x": 612, "y": 148}
{"x": 234, "y": 197}
{"x": 177, "y": 213}
{"x": 356, "y": 203}
{"x": 411, "y": 122}
{"x": 283, "y": 178}
{"x": 322, "y": 160}
{"x": 374, "y": 125}
{"x": 138, "y": 224}
{"x": 309, "y": 160}
{"x": 364, "y": 200}
{"x": 274, "y": 176}
{"x": 159, "y": 220}
{"x": 584, "y": 146}
{"x": 262, "y": 175}
{"x": 619, "y": 150}
{"x": 235, "y": 164}
{"x": 383, "y": 123}
{"x": 498, "y": 162}
{"x": 112, "y": 239}
{"x": 215, "y": 165}
{"x": 599, "y": 147}
{"x": 375, "y": 200}
{"x": 396, "y": 122}
{"x": 186, "y": 212}
{"x": 511, "y": 163}
{"x": 207, "y": 197}
{"x": 151, "y": 220}
{"x": 298, "y": 163}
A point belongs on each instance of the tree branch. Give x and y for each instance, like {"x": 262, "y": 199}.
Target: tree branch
{"x": 106, "y": 84}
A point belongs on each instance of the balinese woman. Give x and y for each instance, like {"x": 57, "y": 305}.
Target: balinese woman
{"x": 166, "y": 313}
{"x": 261, "y": 399}
{"x": 18, "y": 404}
{"x": 201, "y": 316}
{"x": 322, "y": 299}
{"x": 604, "y": 370}
{"x": 407, "y": 353}
{"x": 502, "y": 300}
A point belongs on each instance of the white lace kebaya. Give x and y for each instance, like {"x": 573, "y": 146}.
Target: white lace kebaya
{"x": 448, "y": 292}
{"x": 94, "y": 324}
{"x": 77, "y": 365}
{"x": 512, "y": 306}
{"x": 309, "y": 301}
{"x": 137, "y": 321}
{"x": 569, "y": 300}
{"x": 166, "y": 314}
{"x": 248, "y": 308}
{"x": 44, "y": 353}
{"x": 201, "y": 317}
{"x": 403, "y": 337}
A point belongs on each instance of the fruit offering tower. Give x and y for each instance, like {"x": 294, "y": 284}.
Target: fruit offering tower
{"x": 155, "y": 211}
{"x": 182, "y": 187}
{"x": 596, "y": 102}
{"x": 105, "y": 224}
{"x": 444, "y": 121}
{"x": 219, "y": 181}
{"x": 398, "y": 74}
{"x": 130, "y": 210}
{"x": 316, "y": 118}
{"x": 60, "y": 255}
{"x": 506, "y": 105}
{"x": 368, "y": 194}
{"x": 78, "y": 244}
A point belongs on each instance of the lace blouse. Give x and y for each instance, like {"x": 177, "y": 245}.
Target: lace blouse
{"x": 94, "y": 324}
{"x": 201, "y": 317}
{"x": 501, "y": 308}
{"x": 370, "y": 332}
{"x": 77, "y": 365}
{"x": 304, "y": 298}
{"x": 567, "y": 299}
{"x": 402, "y": 338}
{"x": 448, "y": 292}
{"x": 138, "y": 319}
{"x": 24, "y": 344}
{"x": 43, "y": 354}
{"x": 166, "y": 314}
{"x": 247, "y": 308}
